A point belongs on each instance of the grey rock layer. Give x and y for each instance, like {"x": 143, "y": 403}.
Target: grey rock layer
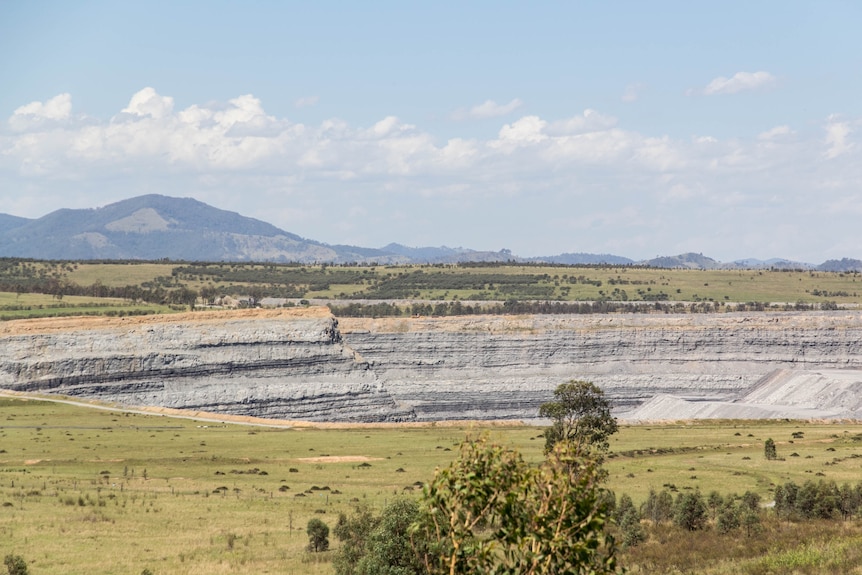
{"x": 506, "y": 367}
{"x": 294, "y": 368}
{"x": 315, "y": 368}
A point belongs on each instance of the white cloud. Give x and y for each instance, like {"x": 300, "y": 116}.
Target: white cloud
{"x": 385, "y": 126}
{"x": 148, "y": 103}
{"x": 57, "y": 108}
{"x": 528, "y": 130}
{"x": 306, "y": 101}
{"x": 837, "y": 137}
{"x": 36, "y": 114}
{"x": 776, "y": 132}
{"x": 488, "y": 109}
{"x": 260, "y": 164}
{"x": 633, "y": 92}
{"x": 589, "y": 121}
{"x": 739, "y": 82}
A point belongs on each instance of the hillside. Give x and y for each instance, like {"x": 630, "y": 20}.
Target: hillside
{"x": 155, "y": 227}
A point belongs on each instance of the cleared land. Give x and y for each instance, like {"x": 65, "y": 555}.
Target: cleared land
{"x": 448, "y": 282}
{"x": 85, "y": 491}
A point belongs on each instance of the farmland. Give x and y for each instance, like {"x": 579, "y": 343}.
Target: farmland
{"x": 39, "y": 288}
{"x": 87, "y": 491}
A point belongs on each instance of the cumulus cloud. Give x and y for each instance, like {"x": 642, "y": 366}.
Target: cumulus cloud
{"x": 488, "y": 109}
{"x": 739, "y": 82}
{"x": 57, "y": 108}
{"x": 586, "y": 163}
{"x": 148, "y": 103}
{"x": 37, "y": 113}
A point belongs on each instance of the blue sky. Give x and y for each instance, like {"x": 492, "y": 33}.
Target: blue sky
{"x": 635, "y": 128}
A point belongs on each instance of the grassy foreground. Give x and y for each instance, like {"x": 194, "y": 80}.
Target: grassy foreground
{"x": 87, "y": 491}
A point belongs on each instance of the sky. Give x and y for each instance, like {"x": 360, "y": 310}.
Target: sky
{"x": 627, "y": 127}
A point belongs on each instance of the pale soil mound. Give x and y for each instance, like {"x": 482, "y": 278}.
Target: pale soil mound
{"x": 339, "y": 459}
{"x": 781, "y": 394}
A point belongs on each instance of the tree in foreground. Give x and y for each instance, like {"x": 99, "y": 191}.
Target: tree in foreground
{"x": 580, "y": 415}
{"x": 379, "y": 545}
{"x": 353, "y": 533}
{"x": 490, "y": 512}
{"x": 318, "y": 535}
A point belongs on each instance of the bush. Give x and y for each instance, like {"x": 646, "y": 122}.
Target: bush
{"x": 492, "y": 512}
{"x": 728, "y": 519}
{"x": 15, "y": 565}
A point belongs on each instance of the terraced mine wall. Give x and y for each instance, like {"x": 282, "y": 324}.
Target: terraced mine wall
{"x": 264, "y": 364}
{"x": 507, "y": 366}
{"x": 306, "y": 365}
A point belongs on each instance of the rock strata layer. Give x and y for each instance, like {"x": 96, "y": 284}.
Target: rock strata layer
{"x": 507, "y": 366}
{"x": 275, "y": 365}
{"x": 306, "y": 365}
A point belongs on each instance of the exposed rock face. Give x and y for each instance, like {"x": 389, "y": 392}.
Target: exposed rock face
{"x": 305, "y": 365}
{"x": 506, "y": 367}
{"x": 270, "y": 364}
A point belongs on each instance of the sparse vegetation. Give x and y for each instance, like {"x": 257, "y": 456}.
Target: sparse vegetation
{"x": 38, "y": 288}
{"x": 174, "y": 521}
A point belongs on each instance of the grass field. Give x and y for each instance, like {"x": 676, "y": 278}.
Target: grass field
{"x": 464, "y": 282}
{"x": 86, "y": 491}
{"x": 27, "y": 305}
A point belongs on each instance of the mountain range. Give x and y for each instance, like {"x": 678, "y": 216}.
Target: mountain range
{"x": 156, "y": 227}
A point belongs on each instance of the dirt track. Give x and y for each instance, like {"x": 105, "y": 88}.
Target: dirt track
{"x": 244, "y": 420}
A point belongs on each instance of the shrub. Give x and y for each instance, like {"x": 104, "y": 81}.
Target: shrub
{"x": 15, "y": 565}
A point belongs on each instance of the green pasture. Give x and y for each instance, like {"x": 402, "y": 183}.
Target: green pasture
{"x": 27, "y": 305}
{"x": 461, "y": 282}
{"x": 728, "y": 456}
{"x": 118, "y": 274}
{"x": 89, "y": 491}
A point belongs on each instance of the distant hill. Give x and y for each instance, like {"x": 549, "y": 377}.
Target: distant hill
{"x": 8, "y": 223}
{"x": 584, "y": 259}
{"x": 155, "y": 227}
{"x": 443, "y": 254}
{"x": 777, "y": 263}
{"x": 842, "y": 265}
{"x": 689, "y": 260}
